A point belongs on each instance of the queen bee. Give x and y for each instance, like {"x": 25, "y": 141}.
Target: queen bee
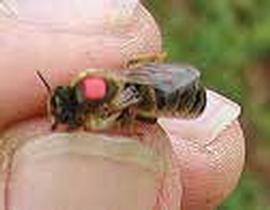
{"x": 99, "y": 99}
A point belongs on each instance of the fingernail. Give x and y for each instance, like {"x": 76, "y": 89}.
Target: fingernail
{"x": 83, "y": 171}
{"x": 210, "y": 124}
{"x": 72, "y": 11}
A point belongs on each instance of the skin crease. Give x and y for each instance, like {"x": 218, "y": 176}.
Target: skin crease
{"x": 61, "y": 60}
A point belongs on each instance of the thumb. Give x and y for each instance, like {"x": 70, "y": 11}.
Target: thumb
{"x": 85, "y": 171}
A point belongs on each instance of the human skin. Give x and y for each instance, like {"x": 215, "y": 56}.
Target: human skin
{"x": 60, "y": 55}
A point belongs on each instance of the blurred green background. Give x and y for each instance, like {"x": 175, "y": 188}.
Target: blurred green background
{"x": 229, "y": 40}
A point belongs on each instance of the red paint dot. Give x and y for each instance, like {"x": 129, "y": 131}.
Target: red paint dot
{"x": 95, "y": 88}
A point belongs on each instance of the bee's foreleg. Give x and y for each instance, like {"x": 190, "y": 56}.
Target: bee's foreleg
{"x": 126, "y": 123}
{"x": 131, "y": 123}
{"x": 124, "y": 120}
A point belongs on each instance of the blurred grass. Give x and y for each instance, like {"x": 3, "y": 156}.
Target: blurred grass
{"x": 250, "y": 195}
{"x": 227, "y": 40}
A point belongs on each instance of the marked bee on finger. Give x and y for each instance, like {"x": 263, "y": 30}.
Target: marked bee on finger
{"x": 98, "y": 99}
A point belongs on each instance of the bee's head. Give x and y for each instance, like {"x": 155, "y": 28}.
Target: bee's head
{"x": 64, "y": 105}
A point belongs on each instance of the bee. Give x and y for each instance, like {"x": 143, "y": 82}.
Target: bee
{"x": 98, "y": 99}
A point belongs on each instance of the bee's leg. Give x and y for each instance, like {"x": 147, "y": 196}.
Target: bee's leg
{"x": 126, "y": 124}
{"x": 132, "y": 125}
{"x": 131, "y": 122}
{"x": 119, "y": 127}
{"x": 86, "y": 127}
{"x": 143, "y": 59}
{"x": 128, "y": 120}
{"x": 147, "y": 119}
{"x": 124, "y": 121}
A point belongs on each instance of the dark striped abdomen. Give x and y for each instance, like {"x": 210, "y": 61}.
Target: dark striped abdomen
{"x": 185, "y": 102}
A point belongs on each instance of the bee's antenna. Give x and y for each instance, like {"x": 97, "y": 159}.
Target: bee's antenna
{"x": 44, "y": 82}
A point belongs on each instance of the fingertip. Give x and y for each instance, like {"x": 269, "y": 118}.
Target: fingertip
{"x": 210, "y": 152}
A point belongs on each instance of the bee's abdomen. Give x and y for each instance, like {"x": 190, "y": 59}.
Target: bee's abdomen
{"x": 185, "y": 102}
{"x": 195, "y": 104}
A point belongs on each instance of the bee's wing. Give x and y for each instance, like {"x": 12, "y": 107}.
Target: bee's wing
{"x": 177, "y": 88}
{"x": 166, "y": 78}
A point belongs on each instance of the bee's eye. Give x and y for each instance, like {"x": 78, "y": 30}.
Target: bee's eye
{"x": 95, "y": 88}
